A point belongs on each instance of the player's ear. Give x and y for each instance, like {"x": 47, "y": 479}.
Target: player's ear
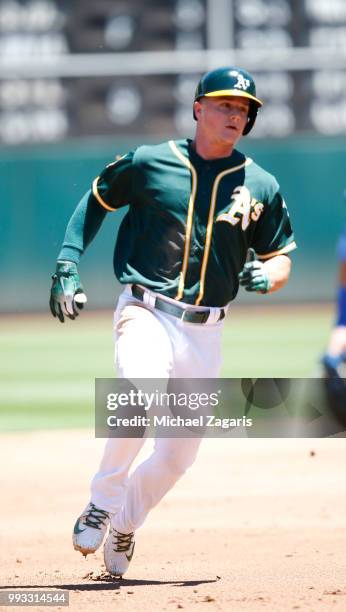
{"x": 197, "y": 109}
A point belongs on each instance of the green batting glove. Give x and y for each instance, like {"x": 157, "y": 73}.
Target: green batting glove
{"x": 67, "y": 293}
{"x": 253, "y": 276}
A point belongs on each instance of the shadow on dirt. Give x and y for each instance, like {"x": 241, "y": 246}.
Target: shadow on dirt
{"x": 108, "y": 583}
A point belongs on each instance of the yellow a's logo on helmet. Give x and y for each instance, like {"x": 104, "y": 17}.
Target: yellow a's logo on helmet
{"x": 242, "y": 82}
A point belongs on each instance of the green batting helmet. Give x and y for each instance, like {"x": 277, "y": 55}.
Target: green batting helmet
{"x": 230, "y": 81}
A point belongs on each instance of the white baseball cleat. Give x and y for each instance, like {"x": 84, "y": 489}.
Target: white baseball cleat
{"x": 90, "y": 529}
{"x": 118, "y": 551}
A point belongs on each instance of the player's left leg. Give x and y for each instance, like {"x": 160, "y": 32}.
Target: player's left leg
{"x": 199, "y": 353}
{"x": 148, "y": 484}
{"x": 153, "y": 478}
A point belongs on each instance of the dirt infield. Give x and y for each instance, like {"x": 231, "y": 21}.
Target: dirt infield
{"x": 254, "y": 525}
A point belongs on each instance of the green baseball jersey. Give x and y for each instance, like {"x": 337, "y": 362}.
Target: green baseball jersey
{"x": 190, "y": 221}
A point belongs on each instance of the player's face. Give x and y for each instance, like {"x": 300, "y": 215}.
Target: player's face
{"x": 222, "y": 120}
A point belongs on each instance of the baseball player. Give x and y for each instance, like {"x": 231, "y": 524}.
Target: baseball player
{"x": 335, "y": 355}
{"x": 195, "y": 209}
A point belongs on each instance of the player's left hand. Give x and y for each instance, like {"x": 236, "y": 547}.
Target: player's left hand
{"x": 67, "y": 294}
{"x": 253, "y": 276}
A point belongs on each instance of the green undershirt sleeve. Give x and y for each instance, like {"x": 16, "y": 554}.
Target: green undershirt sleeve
{"x": 82, "y": 228}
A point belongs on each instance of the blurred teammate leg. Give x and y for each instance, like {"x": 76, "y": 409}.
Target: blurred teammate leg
{"x": 336, "y": 350}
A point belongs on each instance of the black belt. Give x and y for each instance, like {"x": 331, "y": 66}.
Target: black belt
{"x": 190, "y": 316}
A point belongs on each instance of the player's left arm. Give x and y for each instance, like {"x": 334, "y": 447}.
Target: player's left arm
{"x": 265, "y": 277}
{"x": 278, "y": 270}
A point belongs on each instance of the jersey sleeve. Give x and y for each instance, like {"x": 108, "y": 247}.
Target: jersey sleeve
{"x": 82, "y": 228}
{"x": 113, "y": 188}
{"x": 273, "y": 235}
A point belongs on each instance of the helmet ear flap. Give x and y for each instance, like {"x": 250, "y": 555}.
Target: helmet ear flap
{"x": 253, "y": 110}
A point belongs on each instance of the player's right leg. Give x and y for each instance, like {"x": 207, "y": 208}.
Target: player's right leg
{"x": 143, "y": 351}
{"x": 107, "y": 493}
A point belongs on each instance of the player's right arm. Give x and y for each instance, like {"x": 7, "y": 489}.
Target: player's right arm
{"x": 110, "y": 191}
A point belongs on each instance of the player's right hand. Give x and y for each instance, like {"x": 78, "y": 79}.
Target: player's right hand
{"x": 66, "y": 294}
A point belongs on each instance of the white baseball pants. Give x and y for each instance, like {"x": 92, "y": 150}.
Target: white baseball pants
{"x": 152, "y": 344}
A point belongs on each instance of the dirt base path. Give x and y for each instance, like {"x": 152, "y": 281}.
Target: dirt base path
{"x": 254, "y": 525}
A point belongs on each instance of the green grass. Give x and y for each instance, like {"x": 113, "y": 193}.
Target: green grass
{"x": 48, "y": 369}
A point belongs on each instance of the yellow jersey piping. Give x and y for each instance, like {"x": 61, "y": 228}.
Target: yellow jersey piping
{"x": 209, "y": 231}
{"x": 283, "y": 251}
{"x": 98, "y": 197}
{"x": 189, "y": 221}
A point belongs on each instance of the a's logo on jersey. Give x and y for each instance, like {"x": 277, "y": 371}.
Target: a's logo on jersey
{"x": 243, "y": 208}
{"x": 242, "y": 82}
